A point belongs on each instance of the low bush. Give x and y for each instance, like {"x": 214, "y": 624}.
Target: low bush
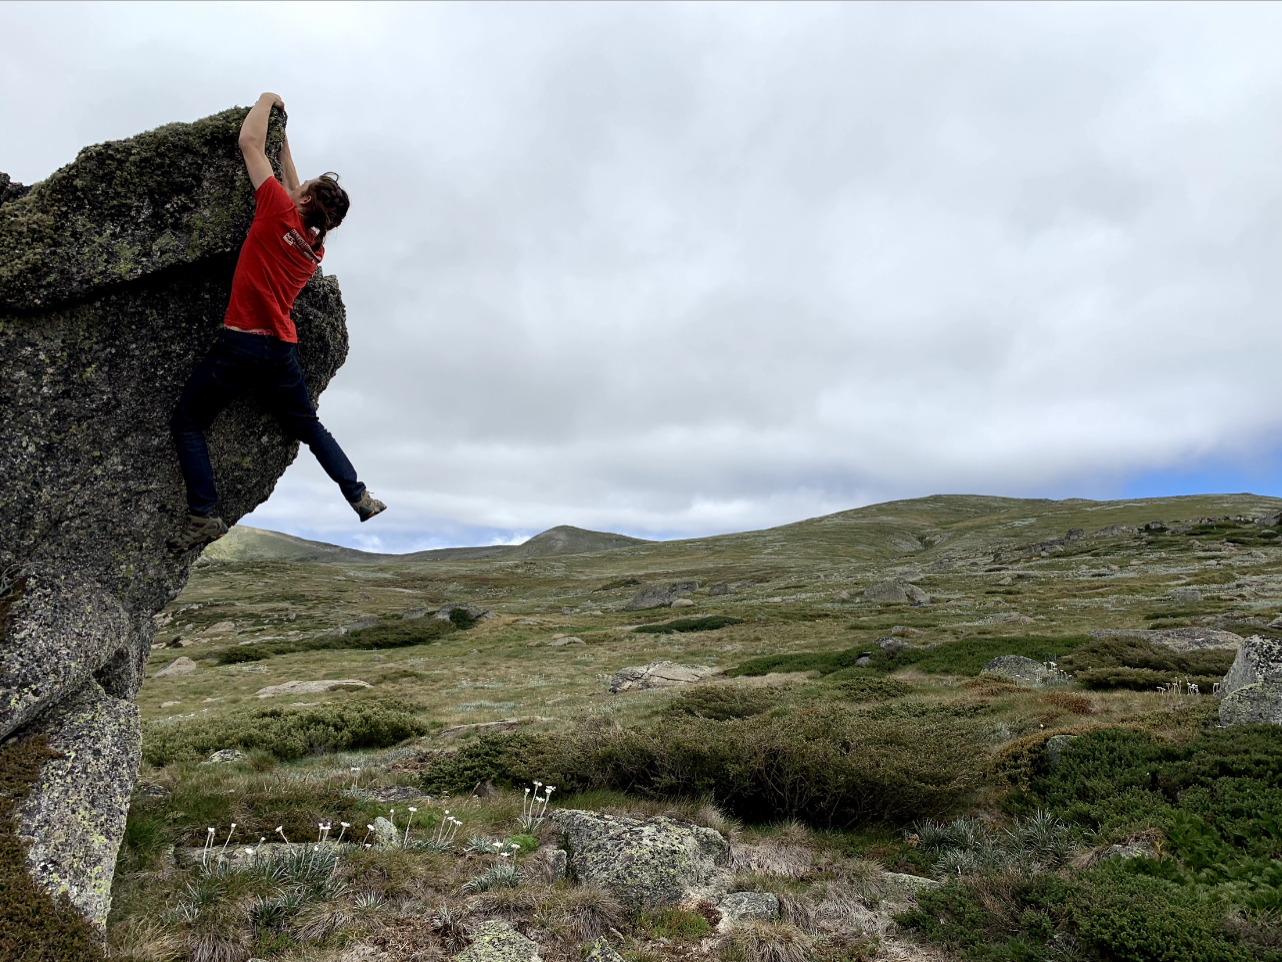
{"x": 860, "y": 685}
{"x": 965, "y": 657}
{"x": 721, "y": 702}
{"x": 1142, "y": 665}
{"x": 386, "y": 634}
{"x": 1107, "y": 913}
{"x": 706, "y": 623}
{"x": 829, "y": 765}
{"x": 285, "y": 733}
{"x": 1141, "y": 679}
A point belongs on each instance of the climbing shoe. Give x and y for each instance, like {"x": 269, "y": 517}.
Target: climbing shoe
{"x": 368, "y": 506}
{"x": 199, "y": 530}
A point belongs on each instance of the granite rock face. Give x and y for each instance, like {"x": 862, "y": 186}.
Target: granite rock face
{"x": 896, "y": 591}
{"x": 114, "y": 276}
{"x": 1251, "y": 693}
{"x": 645, "y": 863}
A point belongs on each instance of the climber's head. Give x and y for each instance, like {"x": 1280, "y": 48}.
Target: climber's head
{"x": 322, "y": 204}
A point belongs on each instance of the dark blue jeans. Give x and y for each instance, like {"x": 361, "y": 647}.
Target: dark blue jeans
{"x": 238, "y": 363}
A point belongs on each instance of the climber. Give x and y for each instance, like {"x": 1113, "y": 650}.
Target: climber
{"x": 256, "y": 347}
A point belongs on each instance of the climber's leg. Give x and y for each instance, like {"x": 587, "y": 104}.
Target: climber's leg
{"x": 217, "y": 380}
{"x": 294, "y": 410}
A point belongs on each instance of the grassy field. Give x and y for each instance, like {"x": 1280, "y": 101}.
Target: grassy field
{"x": 872, "y": 758}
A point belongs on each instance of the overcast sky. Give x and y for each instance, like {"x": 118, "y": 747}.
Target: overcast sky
{"x": 683, "y": 269}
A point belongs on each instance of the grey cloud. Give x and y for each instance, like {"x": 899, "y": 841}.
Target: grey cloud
{"x": 674, "y": 269}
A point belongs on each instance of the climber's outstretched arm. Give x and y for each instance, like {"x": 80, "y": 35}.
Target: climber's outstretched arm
{"x": 253, "y": 138}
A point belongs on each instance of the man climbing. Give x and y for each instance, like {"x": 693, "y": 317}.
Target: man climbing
{"x": 256, "y": 349}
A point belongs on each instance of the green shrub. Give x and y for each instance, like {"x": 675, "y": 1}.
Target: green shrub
{"x": 829, "y": 765}
{"x": 1140, "y": 679}
{"x": 1112, "y": 912}
{"x": 386, "y": 634}
{"x": 706, "y": 623}
{"x": 861, "y": 685}
{"x": 1143, "y": 665}
{"x": 965, "y": 657}
{"x": 285, "y": 733}
{"x": 721, "y": 702}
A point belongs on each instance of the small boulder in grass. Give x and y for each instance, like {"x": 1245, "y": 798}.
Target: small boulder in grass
{"x": 497, "y": 941}
{"x": 742, "y": 906}
{"x": 225, "y": 755}
{"x": 899, "y": 887}
{"x": 601, "y": 951}
{"x": 176, "y": 668}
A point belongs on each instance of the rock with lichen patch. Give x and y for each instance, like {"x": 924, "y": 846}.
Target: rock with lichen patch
{"x": 497, "y": 941}
{"x": 1251, "y": 693}
{"x": 114, "y": 277}
{"x": 645, "y": 863}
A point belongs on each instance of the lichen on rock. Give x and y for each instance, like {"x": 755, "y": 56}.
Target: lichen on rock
{"x": 645, "y": 863}
{"x": 114, "y": 276}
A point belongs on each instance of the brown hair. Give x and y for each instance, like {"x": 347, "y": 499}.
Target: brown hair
{"x": 326, "y": 208}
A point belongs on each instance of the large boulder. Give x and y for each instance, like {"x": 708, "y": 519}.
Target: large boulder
{"x": 114, "y": 276}
{"x": 1251, "y": 693}
{"x": 646, "y": 863}
{"x": 660, "y": 596}
{"x": 896, "y": 591}
{"x": 657, "y": 674}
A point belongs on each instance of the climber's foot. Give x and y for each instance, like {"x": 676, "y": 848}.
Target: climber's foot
{"x": 199, "y": 530}
{"x": 368, "y": 506}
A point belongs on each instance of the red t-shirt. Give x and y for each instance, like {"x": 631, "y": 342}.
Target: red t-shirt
{"x": 276, "y": 262}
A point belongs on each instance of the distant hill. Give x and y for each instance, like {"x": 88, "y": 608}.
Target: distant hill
{"x": 921, "y": 529}
{"x": 244, "y": 543}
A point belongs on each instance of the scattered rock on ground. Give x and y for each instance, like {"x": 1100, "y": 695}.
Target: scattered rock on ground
{"x": 311, "y": 687}
{"x": 601, "y": 951}
{"x": 646, "y": 863}
{"x": 560, "y": 641}
{"x": 1184, "y": 594}
{"x": 841, "y": 596}
{"x": 1251, "y": 693}
{"x": 682, "y": 603}
{"x": 742, "y": 906}
{"x": 385, "y": 832}
{"x": 497, "y": 941}
{"x": 895, "y": 591}
{"x": 225, "y": 755}
{"x": 414, "y": 614}
{"x": 1054, "y": 748}
{"x": 657, "y": 674}
{"x": 472, "y": 611}
{"x": 181, "y": 665}
{"x": 898, "y": 887}
{"x": 892, "y": 646}
{"x": 1021, "y": 670}
{"x": 720, "y": 588}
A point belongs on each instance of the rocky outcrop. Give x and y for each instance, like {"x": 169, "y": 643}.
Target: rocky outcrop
{"x": 114, "y": 275}
{"x": 645, "y": 863}
{"x": 895, "y": 591}
{"x": 1251, "y": 693}
{"x": 657, "y": 674}
{"x": 1177, "y": 639}
{"x": 660, "y": 596}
